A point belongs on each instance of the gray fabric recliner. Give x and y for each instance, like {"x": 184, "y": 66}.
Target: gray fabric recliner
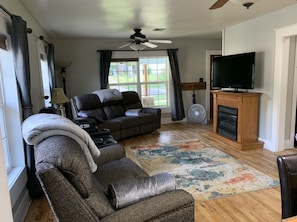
{"x": 77, "y": 194}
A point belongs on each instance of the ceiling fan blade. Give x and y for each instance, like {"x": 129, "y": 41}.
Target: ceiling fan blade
{"x": 123, "y": 46}
{"x": 218, "y": 4}
{"x": 148, "y": 44}
{"x": 139, "y": 38}
{"x": 160, "y": 41}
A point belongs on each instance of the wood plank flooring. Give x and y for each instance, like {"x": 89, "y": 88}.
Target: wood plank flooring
{"x": 263, "y": 205}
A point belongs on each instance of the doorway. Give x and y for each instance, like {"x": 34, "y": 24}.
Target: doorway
{"x": 284, "y": 116}
{"x": 210, "y": 54}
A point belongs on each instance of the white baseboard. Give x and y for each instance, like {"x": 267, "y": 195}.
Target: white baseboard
{"x": 19, "y": 194}
{"x": 21, "y": 208}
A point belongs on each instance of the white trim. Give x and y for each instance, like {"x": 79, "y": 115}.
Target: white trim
{"x": 19, "y": 195}
{"x": 5, "y": 203}
{"x": 207, "y": 78}
{"x": 17, "y": 179}
{"x": 282, "y": 43}
{"x": 294, "y": 96}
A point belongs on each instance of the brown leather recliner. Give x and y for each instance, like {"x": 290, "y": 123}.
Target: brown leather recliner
{"x": 287, "y": 167}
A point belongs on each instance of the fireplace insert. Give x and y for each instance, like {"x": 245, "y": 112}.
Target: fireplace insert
{"x": 227, "y": 122}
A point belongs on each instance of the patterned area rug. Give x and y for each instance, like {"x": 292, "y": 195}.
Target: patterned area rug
{"x": 203, "y": 171}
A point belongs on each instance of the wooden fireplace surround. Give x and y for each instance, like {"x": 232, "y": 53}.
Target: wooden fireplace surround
{"x": 247, "y": 104}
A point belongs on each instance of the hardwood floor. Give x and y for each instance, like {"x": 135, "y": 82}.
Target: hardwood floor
{"x": 262, "y": 205}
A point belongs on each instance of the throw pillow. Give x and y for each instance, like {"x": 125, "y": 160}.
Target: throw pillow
{"x": 134, "y": 112}
{"x": 125, "y": 193}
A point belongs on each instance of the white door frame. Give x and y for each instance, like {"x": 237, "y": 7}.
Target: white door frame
{"x": 207, "y": 77}
{"x": 282, "y": 44}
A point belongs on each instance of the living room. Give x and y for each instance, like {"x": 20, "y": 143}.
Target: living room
{"x": 258, "y": 34}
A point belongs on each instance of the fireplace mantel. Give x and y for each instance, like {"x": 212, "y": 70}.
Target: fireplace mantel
{"x": 247, "y": 104}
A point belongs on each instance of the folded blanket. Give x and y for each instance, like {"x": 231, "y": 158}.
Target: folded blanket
{"x": 40, "y": 126}
{"x": 134, "y": 112}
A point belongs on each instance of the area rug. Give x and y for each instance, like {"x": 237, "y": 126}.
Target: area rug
{"x": 203, "y": 171}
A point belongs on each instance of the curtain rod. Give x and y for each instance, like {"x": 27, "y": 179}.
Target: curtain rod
{"x": 42, "y": 38}
{"x": 29, "y": 30}
{"x": 98, "y": 50}
{"x": 5, "y": 10}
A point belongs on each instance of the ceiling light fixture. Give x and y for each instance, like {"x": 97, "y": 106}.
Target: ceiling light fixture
{"x": 248, "y": 4}
{"x": 159, "y": 29}
{"x": 244, "y": 3}
{"x": 137, "y": 47}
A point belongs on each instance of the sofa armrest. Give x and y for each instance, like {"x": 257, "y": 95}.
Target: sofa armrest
{"x": 54, "y": 184}
{"x": 110, "y": 153}
{"x": 85, "y": 122}
{"x": 176, "y": 205}
{"x": 155, "y": 111}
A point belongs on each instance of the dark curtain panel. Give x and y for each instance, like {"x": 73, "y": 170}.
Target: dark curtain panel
{"x": 22, "y": 71}
{"x": 51, "y": 65}
{"x": 177, "y": 109}
{"x": 105, "y": 59}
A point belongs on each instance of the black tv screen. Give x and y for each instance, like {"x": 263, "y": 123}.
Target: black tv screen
{"x": 234, "y": 71}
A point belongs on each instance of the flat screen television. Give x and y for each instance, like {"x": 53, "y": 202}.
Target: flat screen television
{"x": 234, "y": 71}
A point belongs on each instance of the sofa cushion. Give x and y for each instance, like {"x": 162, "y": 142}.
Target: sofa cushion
{"x": 131, "y": 100}
{"x": 113, "y": 125}
{"x": 87, "y": 102}
{"x": 127, "y": 192}
{"x": 113, "y": 111}
{"x": 128, "y": 121}
{"x": 97, "y": 114}
{"x": 109, "y": 173}
{"x": 66, "y": 155}
{"x": 147, "y": 118}
{"x": 98, "y": 201}
{"x": 108, "y": 95}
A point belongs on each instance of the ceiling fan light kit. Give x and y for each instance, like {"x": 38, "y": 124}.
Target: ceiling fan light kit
{"x": 248, "y": 4}
{"x": 137, "y": 47}
{"x": 221, "y": 3}
{"x": 138, "y": 41}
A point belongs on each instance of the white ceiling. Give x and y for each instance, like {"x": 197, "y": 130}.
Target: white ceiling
{"x": 117, "y": 18}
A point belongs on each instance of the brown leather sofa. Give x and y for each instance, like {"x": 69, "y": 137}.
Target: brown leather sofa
{"x": 120, "y": 112}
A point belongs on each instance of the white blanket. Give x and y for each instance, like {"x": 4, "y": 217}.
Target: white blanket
{"x": 43, "y": 125}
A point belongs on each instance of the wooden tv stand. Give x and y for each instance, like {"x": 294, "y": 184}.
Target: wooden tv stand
{"x": 247, "y": 105}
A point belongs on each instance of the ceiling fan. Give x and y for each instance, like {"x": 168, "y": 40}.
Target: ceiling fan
{"x": 138, "y": 41}
{"x": 221, "y": 3}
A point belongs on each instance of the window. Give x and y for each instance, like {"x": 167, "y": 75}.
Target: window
{"x": 149, "y": 76}
{"x": 44, "y": 74}
{"x": 10, "y": 118}
{"x": 3, "y": 128}
{"x": 3, "y": 52}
